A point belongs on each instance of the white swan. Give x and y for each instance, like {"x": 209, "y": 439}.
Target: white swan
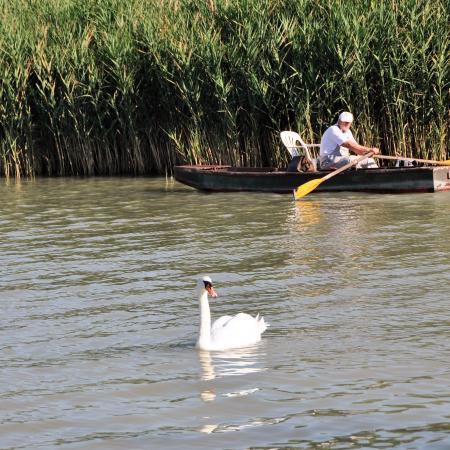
{"x": 226, "y": 332}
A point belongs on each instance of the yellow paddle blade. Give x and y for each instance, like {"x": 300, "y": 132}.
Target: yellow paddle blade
{"x": 446, "y": 163}
{"x": 306, "y": 188}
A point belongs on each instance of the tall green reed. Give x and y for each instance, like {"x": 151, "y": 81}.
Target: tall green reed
{"x": 112, "y": 87}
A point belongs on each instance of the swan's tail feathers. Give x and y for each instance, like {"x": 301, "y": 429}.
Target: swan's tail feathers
{"x": 262, "y": 325}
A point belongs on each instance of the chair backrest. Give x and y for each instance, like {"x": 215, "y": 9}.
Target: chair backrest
{"x": 293, "y": 142}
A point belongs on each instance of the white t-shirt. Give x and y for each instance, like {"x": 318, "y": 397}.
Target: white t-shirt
{"x": 332, "y": 139}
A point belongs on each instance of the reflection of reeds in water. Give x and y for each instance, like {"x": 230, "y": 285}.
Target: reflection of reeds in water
{"x": 107, "y": 87}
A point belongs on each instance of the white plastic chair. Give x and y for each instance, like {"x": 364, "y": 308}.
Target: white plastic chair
{"x": 292, "y": 141}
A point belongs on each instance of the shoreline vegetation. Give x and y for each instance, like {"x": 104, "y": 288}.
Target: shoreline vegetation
{"x": 106, "y": 87}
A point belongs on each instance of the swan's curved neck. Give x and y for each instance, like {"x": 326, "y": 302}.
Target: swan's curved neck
{"x": 204, "y": 337}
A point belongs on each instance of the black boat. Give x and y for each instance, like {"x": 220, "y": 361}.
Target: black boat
{"x": 219, "y": 178}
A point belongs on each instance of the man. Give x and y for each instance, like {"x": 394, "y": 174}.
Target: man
{"x": 336, "y": 143}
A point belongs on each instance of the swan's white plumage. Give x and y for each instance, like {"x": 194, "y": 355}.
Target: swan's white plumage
{"x": 226, "y": 332}
{"x": 220, "y": 322}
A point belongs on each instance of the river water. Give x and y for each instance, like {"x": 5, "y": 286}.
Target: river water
{"x": 99, "y": 318}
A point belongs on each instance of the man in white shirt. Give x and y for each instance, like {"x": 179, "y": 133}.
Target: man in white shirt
{"x": 336, "y": 143}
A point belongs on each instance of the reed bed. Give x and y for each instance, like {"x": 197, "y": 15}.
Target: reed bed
{"x": 110, "y": 87}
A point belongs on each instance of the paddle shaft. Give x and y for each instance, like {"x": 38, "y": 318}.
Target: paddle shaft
{"x": 301, "y": 146}
{"x": 427, "y": 161}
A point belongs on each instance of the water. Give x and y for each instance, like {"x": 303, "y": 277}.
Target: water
{"x": 99, "y": 318}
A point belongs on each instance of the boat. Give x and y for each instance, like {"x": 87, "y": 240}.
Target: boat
{"x": 222, "y": 178}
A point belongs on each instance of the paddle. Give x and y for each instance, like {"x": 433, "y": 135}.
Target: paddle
{"x": 427, "y": 161}
{"x": 309, "y": 186}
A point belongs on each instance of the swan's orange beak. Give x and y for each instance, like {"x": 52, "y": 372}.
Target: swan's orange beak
{"x": 211, "y": 291}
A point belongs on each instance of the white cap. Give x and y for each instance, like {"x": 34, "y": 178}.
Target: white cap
{"x": 346, "y": 116}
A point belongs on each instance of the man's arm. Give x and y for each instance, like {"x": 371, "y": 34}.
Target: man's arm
{"x": 359, "y": 149}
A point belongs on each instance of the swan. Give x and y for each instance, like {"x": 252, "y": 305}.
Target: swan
{"x": 226, "y": 332}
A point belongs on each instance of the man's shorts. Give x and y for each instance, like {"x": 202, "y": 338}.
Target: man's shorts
{"x": 330, "y": 162}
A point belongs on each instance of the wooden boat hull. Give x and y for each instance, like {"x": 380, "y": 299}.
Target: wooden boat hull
{"x": 389, "y": 180}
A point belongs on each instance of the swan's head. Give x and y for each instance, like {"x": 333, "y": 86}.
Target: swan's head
{"x": 205, "y": 284}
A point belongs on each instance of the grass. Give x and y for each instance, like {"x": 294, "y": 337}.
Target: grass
{"x": 113, "y": 87}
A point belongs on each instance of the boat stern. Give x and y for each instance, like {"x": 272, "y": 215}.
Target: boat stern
{"x": 441, "y": 178}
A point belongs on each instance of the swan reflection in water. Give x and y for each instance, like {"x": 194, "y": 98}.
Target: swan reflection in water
{"x": 219, "y": 364}
{"x": 238, "y": 361}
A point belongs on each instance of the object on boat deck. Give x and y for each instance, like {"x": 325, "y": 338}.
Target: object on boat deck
{"x": 403, "y": 163}
{"x": 302, "y": 159}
